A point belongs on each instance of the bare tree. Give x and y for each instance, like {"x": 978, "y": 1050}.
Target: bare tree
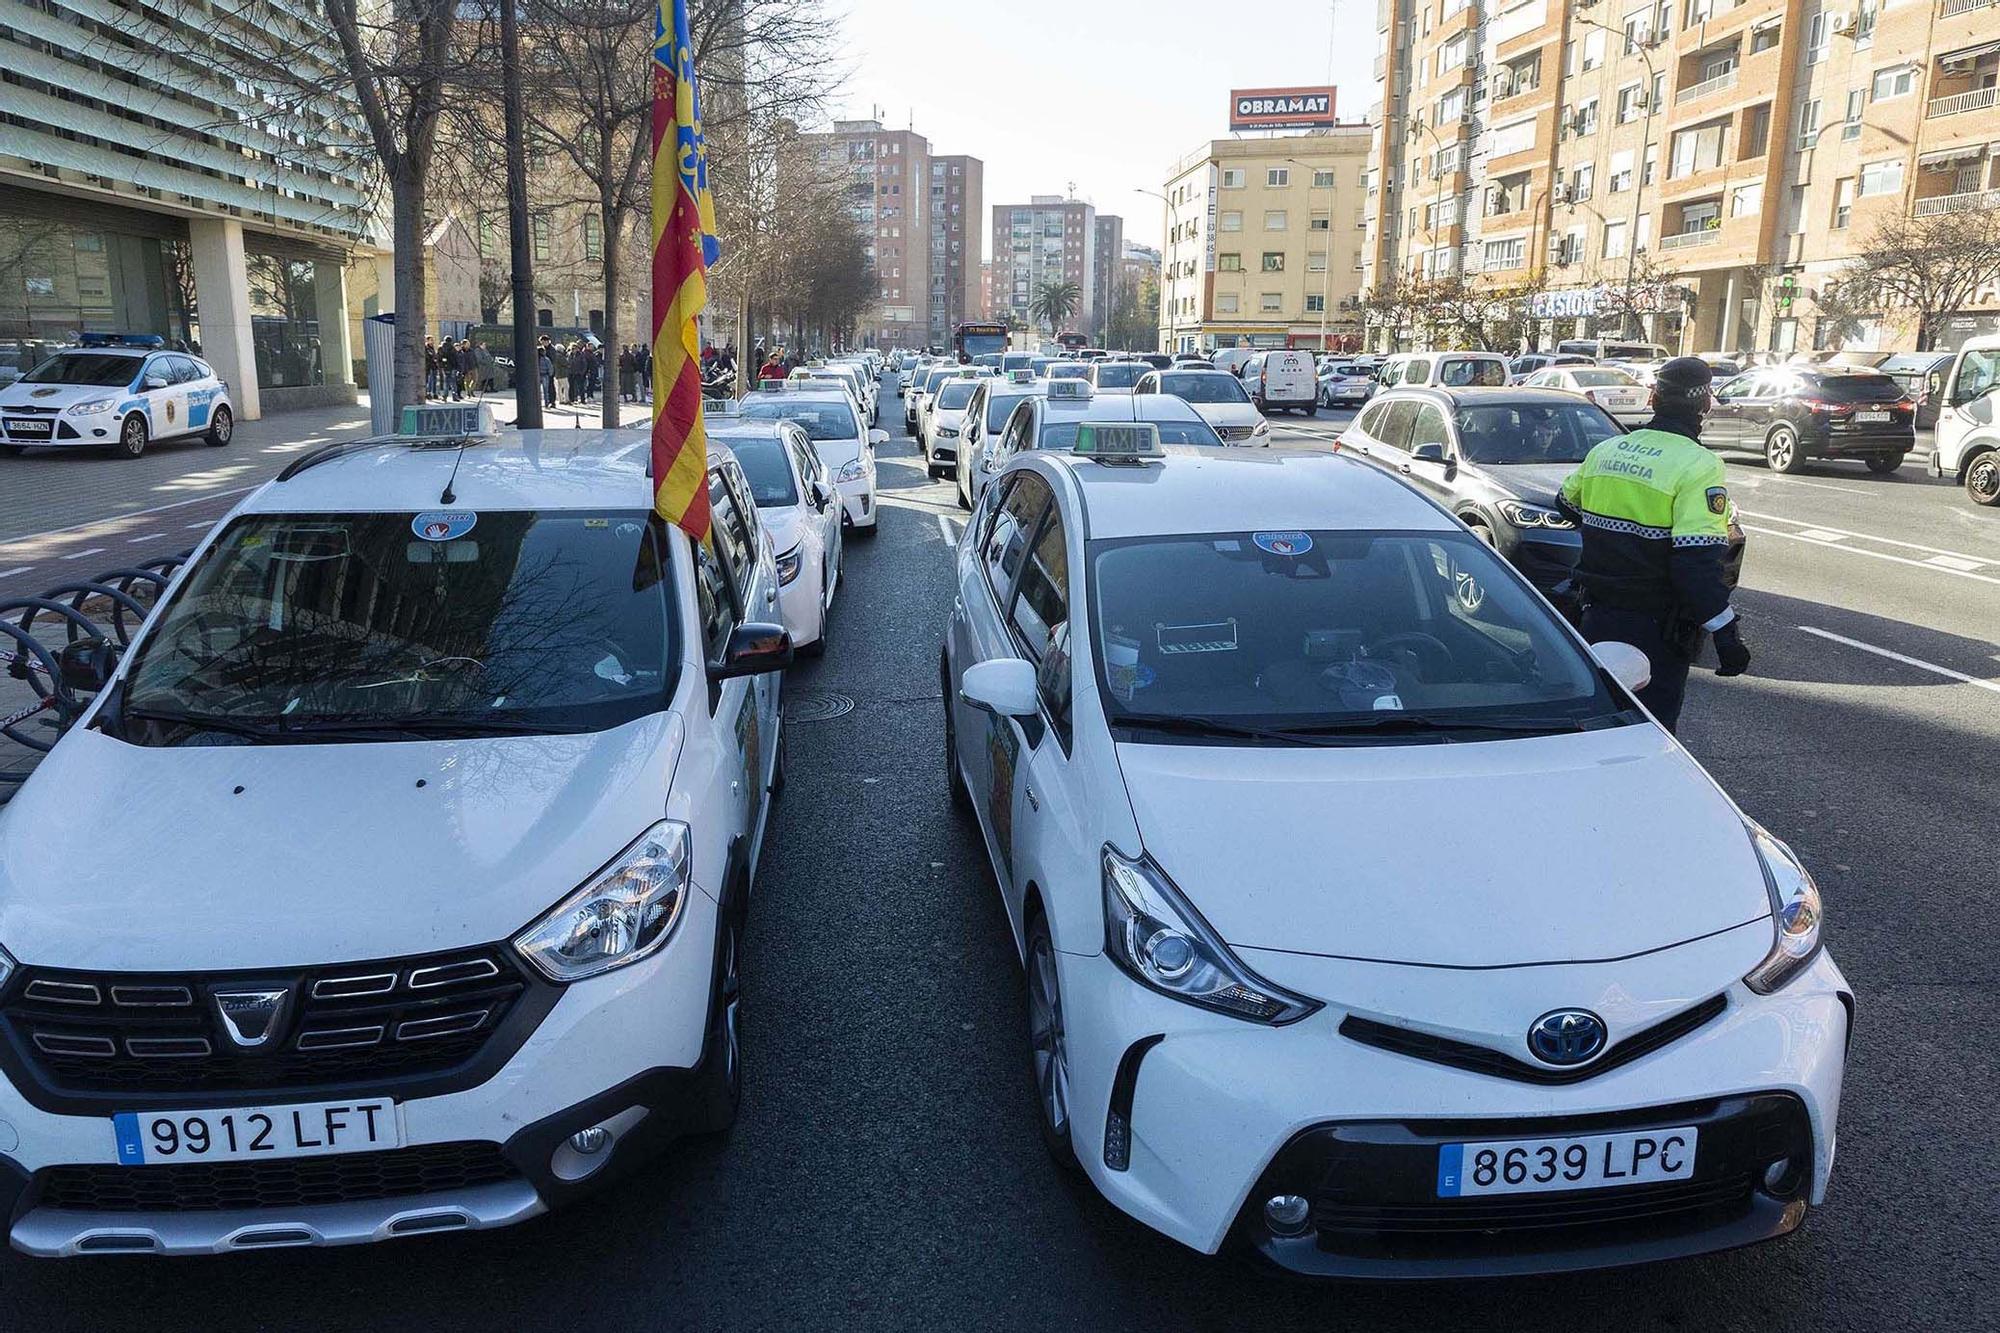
{"x": 1640, "y": 286}
{"x": 1931, "y": 266}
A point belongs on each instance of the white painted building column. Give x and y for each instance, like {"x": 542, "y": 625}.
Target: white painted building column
{"x": 335, "y": 354}
{"x": 222, "y": 295}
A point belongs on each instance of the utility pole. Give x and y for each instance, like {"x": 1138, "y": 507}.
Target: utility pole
{"x": 1633, "y": 329}
{"x": 1166, "y": 262}
{"x": 527, "y": 374}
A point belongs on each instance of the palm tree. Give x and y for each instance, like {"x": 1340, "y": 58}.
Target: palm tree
{"x": 1056, "y": 302}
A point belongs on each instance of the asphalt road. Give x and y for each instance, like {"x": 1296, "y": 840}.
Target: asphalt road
{"x": 887, "y": 1172}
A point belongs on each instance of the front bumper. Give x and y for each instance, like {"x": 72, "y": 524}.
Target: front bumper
{"x": 800, "y": 609}
{"x": 857, "y": 502}
{"x": 625, "y": 1050}
{"x": 63, "y": 430}
{"x": 944, "y": 450}
{"x": 1211, "y": 1107}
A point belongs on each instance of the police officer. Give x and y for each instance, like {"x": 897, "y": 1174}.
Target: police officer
{"x": 1655, "y": 519}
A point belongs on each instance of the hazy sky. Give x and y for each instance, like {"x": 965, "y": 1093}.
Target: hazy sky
{"x": 1105, "y": 93}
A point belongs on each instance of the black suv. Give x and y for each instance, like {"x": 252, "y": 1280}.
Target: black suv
{"x": 1792, "y": 413}
{"x": 1496, "y": 458}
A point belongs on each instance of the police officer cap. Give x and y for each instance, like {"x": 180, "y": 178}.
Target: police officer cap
{"x": 1686, "y": 378}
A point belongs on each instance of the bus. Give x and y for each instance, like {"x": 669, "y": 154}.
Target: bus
{"x": 979, "y": 339}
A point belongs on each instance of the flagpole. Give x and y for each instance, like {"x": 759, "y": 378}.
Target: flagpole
{"x": 684, "y": 245}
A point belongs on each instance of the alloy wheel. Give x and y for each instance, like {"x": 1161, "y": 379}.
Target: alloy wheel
{"x": 1982, "y": 479}
{"x": 1045, "y": 1033}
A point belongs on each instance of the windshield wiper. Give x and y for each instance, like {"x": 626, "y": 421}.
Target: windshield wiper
{"x": 428, "y": 725}
{"x": 1327, "y": 733}
{"x": 169, "y": 717}
{"x": 1221, "y": 728}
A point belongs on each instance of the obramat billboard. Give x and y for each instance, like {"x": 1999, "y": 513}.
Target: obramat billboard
{"x": 1280, "y": 108}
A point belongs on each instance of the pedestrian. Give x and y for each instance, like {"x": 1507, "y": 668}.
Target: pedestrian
{"x": 628, "y": 388}
{"x": 430, "y": 369}
{"x": 468, "y": 366}
{"x": 1654, "y": 512}
{"x": 447, "y": 369}
{"x": 772, "y": 369}
{"x": 579, "y": 370}
{"x": 545, "y": 371}
{"x": 559, "y": 365}
{"x": 646, "y": 371}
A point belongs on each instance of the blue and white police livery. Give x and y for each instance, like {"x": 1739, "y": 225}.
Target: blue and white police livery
{"x": 116, "y": 396}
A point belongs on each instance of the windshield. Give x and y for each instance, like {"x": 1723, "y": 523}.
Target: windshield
{"x": 102, "y": 369}
{"x": 542, "y": 621}
{"x": 956, "y": 394}
{"x": 1603, "y": 379}
{"x": 768, "y": 466}
{"x": 1069, "y": 370}
{"x": 1298, "y": 630}
{"x": 1219, "y": 387}
{"x": 936, "y": 376}
{"x": 823, "y": 418}
{"x": 1062, "y": 434}
{"x": 1464, "y": 372}
{"x": 984, "y": 358}
{"x": 999, "y": 407}
{"x": 1120, "y": 374}
{"x": 1531, "y": 432}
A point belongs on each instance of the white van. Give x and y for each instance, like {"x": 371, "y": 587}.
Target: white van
{"x": 1613, "y": 349}
{"x": 1450, "y": 370}
{"x": 1231, "y": 359}
{"x": 1282, "y": 379}
{"x": 1968, "y": 425}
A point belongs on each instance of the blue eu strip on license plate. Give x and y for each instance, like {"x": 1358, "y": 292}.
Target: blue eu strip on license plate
{"x": 131, "y": 1148}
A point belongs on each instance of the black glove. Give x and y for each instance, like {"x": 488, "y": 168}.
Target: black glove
{"x": 1729, "y": 650}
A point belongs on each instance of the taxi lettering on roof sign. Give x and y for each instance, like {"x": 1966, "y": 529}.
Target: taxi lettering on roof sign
{"x": 1107, "y": 440}
{"x": 1068, "y": 388}
{"x": 722, "y": 407}
{"x": 446, "y": 419}
{"x": 1021, "y": 376}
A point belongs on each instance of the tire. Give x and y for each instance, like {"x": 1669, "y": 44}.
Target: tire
{"x": 1882, "y": 467}
{"x": 817, "y": 648}
{"x": 1982, "y": 478}
{"x": 1781, "y": 451}
{"x": 781, "y": 769}
{"x": 961, "y": 799}
{"x": 1048, "y": 1046}
{"x": 221, "y": 428}
{"x": 720, "y": 1092}
{"x": 1311, "y": 409}
{"x": 132, "y": 437}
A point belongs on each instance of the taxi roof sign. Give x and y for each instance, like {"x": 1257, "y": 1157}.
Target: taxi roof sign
{"x": 770, "y": 386}
{"x": 1118, "y": 441}
{"x": 721, "y": 407}
{"x": 1074, "y": 390}
{"x": 454, "y": 419}
{"x": 1020, "y": 377}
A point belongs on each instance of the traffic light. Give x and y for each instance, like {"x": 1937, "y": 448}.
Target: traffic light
{"x": 1788, "y": 288}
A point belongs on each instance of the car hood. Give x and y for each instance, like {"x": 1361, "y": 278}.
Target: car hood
{"x": 1228, "y": 414}
{"x": 1581, "y": 847}
{"x": 782, "y": 522}
{"x": 58, "y": 395}
{"x": 122, "y": 857}
{"x": 1537, "y": 483}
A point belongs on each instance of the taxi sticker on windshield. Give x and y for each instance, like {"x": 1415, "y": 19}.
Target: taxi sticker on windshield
{"x": 1283, "y": 543}
{"x": 443, "y": 525}
{"x": 597, "y": 522}
{"x": 1216, "y": 637}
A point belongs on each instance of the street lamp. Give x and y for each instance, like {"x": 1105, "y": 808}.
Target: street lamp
{"x": 1326, "y": 268}
{"x": 1639, "y": 171}
{"x": 1173, "y": 340}
{"x": 1417, "y": 124}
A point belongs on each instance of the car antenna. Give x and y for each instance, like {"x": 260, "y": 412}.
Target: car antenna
{"x": 448, "y": 497}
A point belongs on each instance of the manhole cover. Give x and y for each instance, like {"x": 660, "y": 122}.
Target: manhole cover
{"x": 814, "y": 705}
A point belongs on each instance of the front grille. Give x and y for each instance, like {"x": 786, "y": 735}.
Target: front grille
{"x": 1501, "y": 1214}
{"x": 1235, "y": 432}
{"x": 154, "y": 1038}
{"x": 301, "y": 1183}
{"x": 1485, "y": 1060}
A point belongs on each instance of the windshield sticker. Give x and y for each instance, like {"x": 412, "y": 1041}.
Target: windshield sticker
{"x": 1216, "y": 637}
{"x": 443, "y": 525}
{"x": 597, "y": 523}
{"x": 1283, "y": 543}
{"x": 1123, "y": 671}
{"x": 1227, "y": 545}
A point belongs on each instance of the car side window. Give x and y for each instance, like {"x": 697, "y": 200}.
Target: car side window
{"x": 1371, "y": 419}
{"x": 1013, "y": 527}
{"x": 1396, "y": 423}
{"x": 1417, "y": 371}
{"x": 1734, "y": 388}
{"x": 726, "y": 524}
{"x": 1430, "y": 428}
{"x": 1043, "y": 601}
{"x": 712, "y": 598}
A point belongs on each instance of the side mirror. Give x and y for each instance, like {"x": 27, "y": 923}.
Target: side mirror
{"x": 156, "y": 381}
{"x": 1428, "y": 452}
{"x": 820, "y": 494}
{"x": 1004, "y": 687}
{"x": 754, "y": 648}
{"x": 1627, "y": 665}
{"x": 878, "y": 438}
{"x": 87, "y": 664}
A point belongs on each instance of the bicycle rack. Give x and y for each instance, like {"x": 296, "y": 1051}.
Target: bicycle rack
{"x": 109, "y": 607}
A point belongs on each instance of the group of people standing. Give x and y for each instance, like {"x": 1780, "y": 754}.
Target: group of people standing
{"x": 456, "y": 369}
{"x": 579, "y": 366}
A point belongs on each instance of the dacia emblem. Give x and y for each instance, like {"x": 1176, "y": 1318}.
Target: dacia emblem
{"x": 1718, "y": 500}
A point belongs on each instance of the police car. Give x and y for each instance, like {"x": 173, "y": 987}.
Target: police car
{"x": 796, "y": 500}
{"x": 441, "y": 774}
{"x": 832, "y": 422}
{"x": 118, "y": 395}
{"x": 1364, "y": 931}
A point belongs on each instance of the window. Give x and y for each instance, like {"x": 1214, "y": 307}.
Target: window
{"x": 1890, "y": 83}
{"x": 1817, "y": 34}
{"x": 1630, "y": 104}
{"x": 711, "y": 596}
{"x": 733, "y": 539}
{"x": 1808, "y": 123}
{"x": 1227, "y": 303}
{"x": 1277, "y": 176}
{"x": 1274, "y": 219}
{"x": 1697, "y": 149}
{"x": 1041, "y": 607}
{"x": 1699, "y": 217}
{"x": 1229, "y": 262}
{"x": 1273, "y": 262}
{"x": 1765, "y": 36}
{"x": 1864, "y": 27}
{"x": 1323, "y": 178}
{"x": 1506, "y": 140}
{"x": 1614, "y": 240}
{"x": 1621, "y": 171}
{"x": 593, "y": 236}
{"x": 1581, "y": 182}
{"x": 1232, "y": 178}
{"x": 1229, "y": 222}
{"x": 1319, "y": 222}
{"x": 540, "y": 228}
{"x": 1271, "y": 302}
{"x": 1013, "y": 522}
{"x": 1429, "y": 428}
{"x": 489, "y": 243}
{"x": 1650, "y": 168}
{"x": 1452, "y": 54}
{"x": 1756, "y": 133}
{"x": 1316, "y": 261}
{"x": 1850, "y": 129}
{"x": 1593, "y": 48}
{"x": 1510, "y": 253}
{"x": 1584, "y": 121}
{"x": 1746, "y": 200}
{"x": 1882, "y": 177}
{"x": 1315, "y": 304}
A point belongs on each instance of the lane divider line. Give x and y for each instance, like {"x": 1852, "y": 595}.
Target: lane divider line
{"x": 114, "y": 518}
{"x": 1876, "y": 555}
{"x": 1916, "y": 662}
{"x": 1822, "y": 535}
{"x": 78, "y": 555}
{"x": 18, "y": 569}
{"x": 1866, "y": 537}
{"x": 949, "y": 533}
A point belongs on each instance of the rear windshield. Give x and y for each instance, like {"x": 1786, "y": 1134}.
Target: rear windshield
{"x": 956, "y": 393}
{"x": 1120, "y": 374}
{"x": 1069, "y": 370}
{"x": 1603, "y": 379}
{"x": 1855, "y": 388}
{"x": 1461, "y": 372}
{"x": 823, "y": 418}
{"x": 769, "y": 469}
{"x": 1212, "y": 388}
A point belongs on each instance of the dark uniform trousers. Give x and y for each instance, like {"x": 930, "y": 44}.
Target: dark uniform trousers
{"x": 1667, "y": 689}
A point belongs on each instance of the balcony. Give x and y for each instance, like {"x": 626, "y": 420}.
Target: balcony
{"x": 1971, "y": 202}
{"x": 1687, "y": 240}
{"x": 1979, "y": 99}
{"x": 1951, "y": 9}
{"x": 1720, "y": 83}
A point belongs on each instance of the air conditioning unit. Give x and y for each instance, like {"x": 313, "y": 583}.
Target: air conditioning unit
{"x": 1559, "y": 193}
{"x": 1466, "y": 120}
{"x": 1503, "y": 85}
{"x": 1639, "y": 100}
{"x": 1840, "y": 20}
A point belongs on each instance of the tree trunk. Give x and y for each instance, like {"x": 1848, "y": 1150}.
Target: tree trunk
{"x": 408, "y": 190}
{"x": 527, "y": 372}
{"x": 609, "y": 229}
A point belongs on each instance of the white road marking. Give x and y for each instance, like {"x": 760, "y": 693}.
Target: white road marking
{"x": 1916, "y": 662}
{"x": 149, "y": 537}
{"x": 1815, "y": 485}
{"x": 950, "y": 533}
{"x": 201, "y": 527}
{"x": 1877, "y": 555}
{"x": 114, "y": 518}
{"x": 1822, "y": 535}
{"x": 78, "y": 555}
{"x": 1957, "y": 562}
{"x": 1867, "y": 537}
{"x": 18, "y": 569}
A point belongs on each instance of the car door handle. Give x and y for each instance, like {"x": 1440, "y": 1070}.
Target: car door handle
{"x": 770, "y": 596}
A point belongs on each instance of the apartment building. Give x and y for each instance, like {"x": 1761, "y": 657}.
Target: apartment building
{"x": 1109, "y": 272}
{"x": 1264, "y": 242}
{"x": 141, "y": 191}
{"x": 888, "y": 185}
{"x": 1697, "y": 166}
{"x": 1138, "y": 263}
{"x": 1048, "y": 239}
{"x": 958, "y": 212}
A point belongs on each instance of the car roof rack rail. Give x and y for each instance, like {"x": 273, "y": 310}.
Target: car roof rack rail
{"x": 326, "y": 453}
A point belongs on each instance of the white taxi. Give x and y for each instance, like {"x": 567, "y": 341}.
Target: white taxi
{"x": 1363, "y": 931}
{"x": 944, "y": 422}
{"x": 443, "y": 769}
{"x": 118, "y": 397}
{"x": 1623, "y": 398}
{"x": 795, "y": 497}
{"x": 833, "y": 423}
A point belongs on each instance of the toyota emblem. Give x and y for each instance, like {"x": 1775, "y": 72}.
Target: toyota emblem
{"x": 1567, "y": 1037}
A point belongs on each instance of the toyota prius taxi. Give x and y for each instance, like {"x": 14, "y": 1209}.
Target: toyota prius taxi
{"x": 1368, "y": 932}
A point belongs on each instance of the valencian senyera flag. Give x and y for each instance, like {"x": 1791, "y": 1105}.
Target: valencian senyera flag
{"x": 684, "y": 245}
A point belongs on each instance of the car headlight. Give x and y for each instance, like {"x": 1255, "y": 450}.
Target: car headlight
{"x": 947, "y": 432}
{"x": 1157, "y": 937}
{"x": 1262, "y": 428}
{"x": 7, "y": 966}
{"x": 625, "y": 913}
{"x": 1532, "y": 516}
{"x": 93, "y": 407}
{"x": 1795, "y": 913}
{"x": 854, "y": 469}
{"x": 789, "y": 565}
